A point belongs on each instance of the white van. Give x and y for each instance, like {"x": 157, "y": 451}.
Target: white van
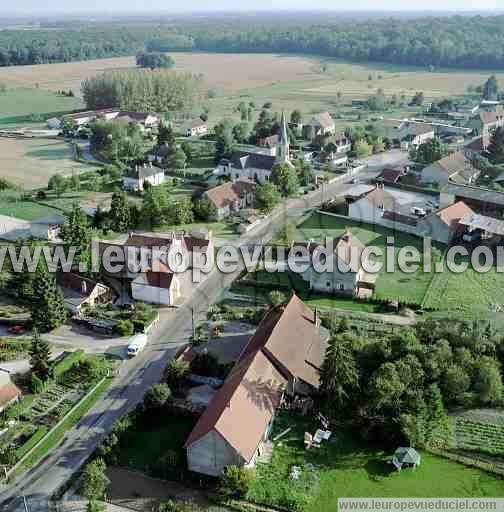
{"x": 137, "y": 344}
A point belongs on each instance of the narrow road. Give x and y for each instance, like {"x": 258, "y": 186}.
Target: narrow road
{"x": 138, "y": 374}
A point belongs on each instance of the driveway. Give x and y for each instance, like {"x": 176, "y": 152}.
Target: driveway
{"x": 392, "y": 158}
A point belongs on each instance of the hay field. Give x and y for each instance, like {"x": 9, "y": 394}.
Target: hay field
{"x": 229, "y": 72}
{"x": 30, "y": 162}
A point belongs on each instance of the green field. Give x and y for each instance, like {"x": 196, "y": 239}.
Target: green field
{"x": 13, "y": 205}
{"x": 32, "y": 106}
{"x": 347, "y": 467}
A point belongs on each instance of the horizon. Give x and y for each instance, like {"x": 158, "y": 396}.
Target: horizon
{"x": 52, "y": 8}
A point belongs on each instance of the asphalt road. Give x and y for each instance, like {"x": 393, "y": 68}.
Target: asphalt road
{"x": 138, "y": 374}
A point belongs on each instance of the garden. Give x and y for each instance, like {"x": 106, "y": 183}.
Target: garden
{"x": 30, "y": 427}
{"x": 346, "y": 467}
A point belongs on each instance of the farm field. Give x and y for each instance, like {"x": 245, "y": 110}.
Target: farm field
{"x": 468, "y": 295}
{"x": 29, "y": 163}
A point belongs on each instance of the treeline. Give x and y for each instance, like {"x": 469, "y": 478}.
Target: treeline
{"x": 457, "y": 41}
{"x": 159, "y": 90}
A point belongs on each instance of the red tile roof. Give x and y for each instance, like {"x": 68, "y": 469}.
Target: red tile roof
{"x": 8, "y": 393}
{"x": 453, "y": 213}
{"x": 229, "y": 193}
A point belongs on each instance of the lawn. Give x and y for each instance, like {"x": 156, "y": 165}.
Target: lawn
{"x": 19, "y": 106}
{"x": 13, "y": 205}
{"x": 346, "y": 467}
{"x": 408, "y": 288}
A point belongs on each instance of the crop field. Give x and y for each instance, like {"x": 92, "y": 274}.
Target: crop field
{"x": 468, "y": 295}
{"x": 30, "y": 162}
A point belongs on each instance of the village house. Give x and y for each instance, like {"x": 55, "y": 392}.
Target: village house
{"x": 79, "y": 292}
{"x": 196, "y": 128}
{"x": 144, "y": 257}
{"x": 480, "y": 200}
{"x": 9, "y": 392}
{"x": 346, "y": 275}
{"x": 455, "y": 168}
{"x": 269, "y": 144}
{"x": 321, "y": 124}
{"x": 143, "y": 119}
{"x": 485, "y": 122}
{"x": 392, "y": 174}
{"x": 417, "y": 134}
{"x": 256, "y": 166}
{"x": 388, "y": 206}
{"x": 482, "y": 229}
{"x": 283, "y": 356}
{"x": 139, "y": 175}
{"x": 394, "y": 129}
{"x": 231, "y": 197}
{"x": 443, "y": 225}
{"x": 476, "y": 147}
{"x": 157, "y": 287}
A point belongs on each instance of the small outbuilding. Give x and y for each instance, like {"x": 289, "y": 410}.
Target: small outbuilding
{"x": 406, "y": 457}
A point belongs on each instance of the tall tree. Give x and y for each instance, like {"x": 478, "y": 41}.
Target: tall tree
{"x": 491, "y": 88}
{"x": 40, "y": 356}
{"x": 285, "y": 178}
{"x": 47, "y": 306}
{"x": 495, "y": 148}
{"x": 120, "y": 212}
{"x": 75, "y": 233}
{"x": 224, "y": 140}
{"x": 338, "y": 375}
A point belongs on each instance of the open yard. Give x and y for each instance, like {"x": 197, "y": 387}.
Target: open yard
{"x": 346, "y": 467}
{"x": 30, "y": 162}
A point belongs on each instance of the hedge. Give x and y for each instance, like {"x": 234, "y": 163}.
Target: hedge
{"x": 34, "y": 439}
{"x": 66, "y": 363}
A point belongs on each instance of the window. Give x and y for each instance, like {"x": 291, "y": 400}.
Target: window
{"x": 341, "y": 286}
{"x": 328, "y": 284}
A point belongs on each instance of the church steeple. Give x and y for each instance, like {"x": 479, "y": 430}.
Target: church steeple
{"x": 283, "y": 150}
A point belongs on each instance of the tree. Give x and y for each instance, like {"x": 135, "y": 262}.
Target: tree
{"x": 285, "y": 178}
{"x": 176, "y": 373}
{"x": 455, "y": 383}
{"x": 205, "y": 364}
{"x": 178, "y": 160}
{"x": 491, "y": 88}
{"x": 418, "y": 99}
{"x": 75, "y": 233}
{"x": 276, "y": 298}
{"x": 362, "y": 149}
{"x": 387, "y": 387}
{"x": 95, "y": 506}
{"x": 495, "y": 147}
{"x": 430, "y": 151}
{"x": 120, "y": 212}
{"x": 241, "y": 132}
{"x": 180, "y": 211}
{"x": 339, "y": 372}
{"x": 94, "y": 481}
{"x": 488, "y": 380}
{"x": 296, "y": 117}
{"x": 267, "y": 197}
{"x": 47, "y": 306}
{"x": 156, "y": 396}
{"x": 305, "y": 172}
{"x": 204, "y": 209}
{"x": 154, "y": 60}
{"x": 377, "y": 102}
{"x": 155, "y": 206}
{"x": 166, "y": 135}
{"x": 224, "y": 140}
{"x": 58, "y": 184}
{"x": 236, "y": 481}
{"x": 40, "y": 356}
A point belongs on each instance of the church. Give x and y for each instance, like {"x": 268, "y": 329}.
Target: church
{"x": 256, "y": 166}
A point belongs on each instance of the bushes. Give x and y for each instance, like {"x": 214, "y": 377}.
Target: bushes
{"x": 66, "y": 363}
{"x": 156, "y": 397}
{"x": 175, "y": 374}
{"x": 37, "y": 384}
{"x": 125, "y": 327}
{"x": 34, "y": 439}
{"x": 94, "y": 480}
{"x": 206, "y": 365}
{"x": 235, "y": 482}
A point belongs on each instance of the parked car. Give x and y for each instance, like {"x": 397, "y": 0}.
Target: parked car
{"x": 16, "y": 329}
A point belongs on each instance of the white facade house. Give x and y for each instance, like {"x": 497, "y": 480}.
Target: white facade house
{"x": 322, "y": 124}
{"x": 144, "y": 119}
{"x": 156, "y": 288}
{"x": 141, "y": 174}
{"x": 196, "y": 128}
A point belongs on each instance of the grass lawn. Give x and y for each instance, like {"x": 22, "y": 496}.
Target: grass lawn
{"x": 142, "y": 447}
{"x": 13, "y": 204}
{"x": 21, "y": 106}
{"x": 219, "y": 229}
{"x": 346, "y": 467}
{"x": 409, "y": 288}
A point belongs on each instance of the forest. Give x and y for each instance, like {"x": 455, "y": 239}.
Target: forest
{"x": 475, "y": 42}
